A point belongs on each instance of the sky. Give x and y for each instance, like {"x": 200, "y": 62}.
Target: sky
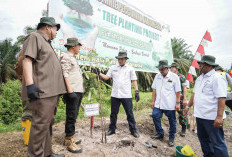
{"x": 188, "y": 19}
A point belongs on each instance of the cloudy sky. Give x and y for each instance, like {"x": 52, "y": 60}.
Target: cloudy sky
{"x": 188, "y": 20}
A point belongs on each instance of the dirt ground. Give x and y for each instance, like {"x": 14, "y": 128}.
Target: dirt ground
{"x": 120, "y": 144}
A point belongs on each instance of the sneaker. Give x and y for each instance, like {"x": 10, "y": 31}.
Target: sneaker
{"x": 71, "y": 146}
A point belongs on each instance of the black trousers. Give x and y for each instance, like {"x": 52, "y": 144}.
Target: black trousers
{"x": 229, "y": 104}
{"x": 72, "y": 110}
{"x": 128, "y": 107}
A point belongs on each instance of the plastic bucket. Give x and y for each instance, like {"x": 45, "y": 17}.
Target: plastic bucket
{"x": 179, "y": 153}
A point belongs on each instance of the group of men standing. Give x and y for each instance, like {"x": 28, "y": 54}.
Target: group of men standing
{"x": 45, "y": 79}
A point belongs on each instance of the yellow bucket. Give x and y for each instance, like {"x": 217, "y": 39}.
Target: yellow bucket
{"x": 26, "y": 127}
{"x": 187, "y": 150}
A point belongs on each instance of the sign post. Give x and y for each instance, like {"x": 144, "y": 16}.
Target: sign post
{"x": 91, "y": 110}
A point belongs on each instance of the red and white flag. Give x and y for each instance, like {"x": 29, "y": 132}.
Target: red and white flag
{"x": 200, "y": 52}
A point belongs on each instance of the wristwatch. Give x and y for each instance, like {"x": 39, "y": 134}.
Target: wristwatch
{"x": 136, "y": 91}
{"x": 177, "y": 102}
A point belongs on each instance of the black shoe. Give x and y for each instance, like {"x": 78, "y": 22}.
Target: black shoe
{"x": 157, "y": 136}
{"x": 171, "y": 143}
{"x": 110, "y": 132}
{"x": 182, "y": 133}
{"x": 135, "y": 134}
{"x": 57, "y": 155}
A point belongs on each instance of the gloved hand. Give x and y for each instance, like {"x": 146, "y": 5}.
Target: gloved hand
{"x": 137, "y": 95}
{"x": 32, "y": 91}
{"x": 96, "y": 71}
{"x": 72, "y": 95}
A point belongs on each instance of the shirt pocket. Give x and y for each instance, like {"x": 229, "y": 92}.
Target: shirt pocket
{"x": 115, "y": 73}
{"x": 168, "y": 86}
{"x": 207, "y": 89}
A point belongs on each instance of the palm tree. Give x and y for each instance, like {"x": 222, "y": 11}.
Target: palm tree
{"x": 181, "y": 54}
{"x": 27, "y": 30}
{"x": 8, "y": 60}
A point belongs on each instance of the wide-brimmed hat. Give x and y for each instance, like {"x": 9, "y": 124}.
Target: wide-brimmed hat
{"x": 208, "y": 59}
{"x": 219, "y": 68}
{"x": 122, "y": 54}
{"x": 174, "y": 64}
{"x": 163, "y": 64}
{"x": 49, "y": 21}
{"x": 72, "y": 42}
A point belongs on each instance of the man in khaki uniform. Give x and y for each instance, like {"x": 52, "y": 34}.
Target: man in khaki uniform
{"x": 75, "y": 87}
{"x": 43, "y": 82}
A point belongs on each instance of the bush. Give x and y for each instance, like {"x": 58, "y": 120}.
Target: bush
{"x": 10, "y": 102}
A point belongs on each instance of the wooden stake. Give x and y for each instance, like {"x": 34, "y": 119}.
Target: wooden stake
{"x": 91, "y": 126}
{"x": 101, "y": 109}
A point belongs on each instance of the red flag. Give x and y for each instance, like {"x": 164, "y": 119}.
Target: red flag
{"x": 195, "y": 64}
{"x": 189, "y": 77}
{"x": 198, "y": 54}
{"x": 201, "y": 49}
{"x": 207, "y": 36}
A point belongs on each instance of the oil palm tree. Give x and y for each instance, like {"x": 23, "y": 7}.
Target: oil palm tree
{"x": 8, "y": 60}
{"x": 181, "y": 54}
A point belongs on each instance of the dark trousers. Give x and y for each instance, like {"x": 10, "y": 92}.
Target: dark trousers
{"x": 183, "y": 121}
{"x": 211, "y": 139}
{"x": 72, "y": 110}
{"x": 128, "y": 107}
{"x": 157, "y": 114}
{"x": 229, "y": 104}
{"x": 27, "y": 111}
{"x": 43, "y": 114}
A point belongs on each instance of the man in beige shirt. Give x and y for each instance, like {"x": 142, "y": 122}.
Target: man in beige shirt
{"x": 42, "y": 83}
{"x": 74, "y": 82}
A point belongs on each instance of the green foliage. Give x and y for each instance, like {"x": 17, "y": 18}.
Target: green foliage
{"x": 145, "y": 80}
{"x": 8, "y": 60}
{"x": 189, "y": 93}
{"x": 10, "y": 103}
{"x": 181, "y": 54}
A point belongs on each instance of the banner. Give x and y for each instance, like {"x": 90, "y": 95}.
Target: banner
{"x": 109, "y": 26}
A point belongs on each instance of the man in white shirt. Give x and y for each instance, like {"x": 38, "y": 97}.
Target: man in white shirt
{"x": 209, "y": 99}
{"x": 122, "y": 75}
{"x": 165, "y": 99}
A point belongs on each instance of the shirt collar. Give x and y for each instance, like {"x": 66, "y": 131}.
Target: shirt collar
{"x": 208, "y": 74}
{"x": 70, "y": 54}
{"x": 122, "y": 66}
{"x": 168, "y": 75}
{"x": 44, "y": 36}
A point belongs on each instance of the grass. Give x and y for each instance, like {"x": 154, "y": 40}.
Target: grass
{"x": 145, "y": 100}
{"x": 143, "y": 106}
